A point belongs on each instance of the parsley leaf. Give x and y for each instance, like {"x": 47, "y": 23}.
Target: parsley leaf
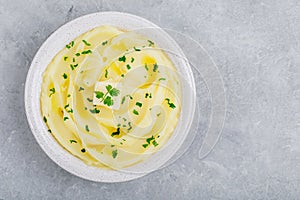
{"x": 89, "y": 100}
{"x": 45, "y": 119}
{"x": 139, "y": 104}
{"x": 108, "y": 88}
{"x": 171, "y": 105}
{"x": 162, "y": 79}
{"x": 114, "y": 92}
{"x": 99, "y": 94}
{"x": 52, "y": 91}
{"x": 136, "y": 49}
{"x": 83, "y": 150}
{"x": 104, "y": 43}
{"x": 73, "y": 141}
{"x": 86, "y": 43}
{"x": 146, "y": 67}
{"x": 128, "y": 67}
{"x": 132, "y": 59}
{"x": 114, "y": 153}
{"x": 155, "y": 67}
{"x": 108, "y": 101}
{"x": 116, "y": 132}
{"x": 148, "y": 140}
{"x": 95, "y": 111}
{"x": 86, "y": 52}
{"x": 106, "y": 73}
{"x": 145, "y": 145}
{"x": 81, "y": 88}
{"x": 154, "y": 143}
{"x": 65, "y": 76}
{"x": 65, "y": 118}
{"x": 87, "y": 128}
{"x": 150, "y": 43}
{"x": 65, "y": 58}
{"x": 135, "y": 112}
{"x": 123, "y": 59}
{"x": 77, "y": 54}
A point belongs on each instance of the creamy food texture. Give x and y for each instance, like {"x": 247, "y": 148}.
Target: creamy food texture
{"x": 111, "y": 98}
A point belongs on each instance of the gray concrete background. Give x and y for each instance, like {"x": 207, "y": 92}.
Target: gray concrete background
{"x": 256, "y": 47}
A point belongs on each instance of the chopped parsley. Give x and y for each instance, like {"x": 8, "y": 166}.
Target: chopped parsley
{"x": 73, "y": 66}
{"x": 95, "y": 111}
{"x": 73, "y": 141}
{"x": 99, "y": 94}
{"x": 136, "y": 49}
{"x": 104, "y": 43}
{"x": 145, "y": 145}
{"x": 139, "y": 104}
{"x": 65, "y": 76}
{"x": 116, "y": 132}
{"x": 86, "y": 43}
{"x": 155, "y": 67}
{"x": 148, "y": 140}
{"x": 148, "y": 95}
{"x": 49, "y": 130}
{"x": 106, "y": 73}
{"x": 45, "y": 119}
{"x": 83, "y": 150}
{"x": 122, "y": 75}
{"x": 171, "y": 105}
{"x": 86, "y": 52}
{"x": 81, "y": 88}
{"x": 68, "y": 95}
{"x": 70, "y": 110}
{"x": 122, "y": 59}
{"x": 71, "y": 44}
{"x": 162, "y": 79}
{"x": 77, "y": 54}
{"x": 135, "y": 112}
{"x": 146, "y": 67}
{"x": 150, "y": 43}
{"x": 128, "y": 67}
{"x": 132, "y": 60}
{"x": 65, "y": 58}
{"x": 52, "y": 91}
{"x": 108, "y": 101}
{"x": 65, "y": 118}
{"x": 87, "y": 128}
{"x": 123, "y": 100}
{"x": 130, "y": 127}
{"x": 114, "y": 153}
{"x": 89, "y": 100}
{"x": 73, "y": 60}
{"x": 154, "y": 143}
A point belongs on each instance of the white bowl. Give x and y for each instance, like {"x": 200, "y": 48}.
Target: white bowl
{"x": 55, "y": 43}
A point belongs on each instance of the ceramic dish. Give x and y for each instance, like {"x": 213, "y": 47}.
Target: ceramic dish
{"x": 69, "y": 32}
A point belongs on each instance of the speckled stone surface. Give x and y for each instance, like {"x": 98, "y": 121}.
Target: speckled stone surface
{"x": 255, "y": 45}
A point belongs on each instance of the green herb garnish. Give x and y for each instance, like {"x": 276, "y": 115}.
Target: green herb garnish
{"x": 123, "y": 100}
{"x": 114, "y": 153}
{"x": 132, "y": 59}
{"x": 81, "y": 88}
{"x": 136, "y": 49}
{"x": 65, "y": 118}
{"x": 139, "y": 104}
{"x": 135, "y": 112}
{"x": 150, "y": 43}
{"x": 65, "y": 58}
{"x": 171, "y": 105}
{"x": 71, "y": 44}
{"x": 87, "y": 128}
{"x": 86, "y": 43}
{"x": 49, "y": 130}
{"x": 116, "y": 132}
{"x": 45, "y": 119}
{"x": 148, "y": 95}
{"x": 162, "y": 79}
{"x": 73, "y": 141}
{"x": 130, "y": 127}
{"x": 86, "y": 52}
{"x": 77, "y": 54}
{"x": 83, "y": 150}
{"x": 73, "y": 66}
{"x": 122, "y": 59}
{"x": 106, "y": 73}
{"x": 154, "y": 143}
{"x": 95, "y": 111}
{"x": 104, "y": 43}
{"x": 108, "y": 101}
{"x": 146, "y": 67}
{"x": 99, "y": 94}
{"x": 155, "y": 67}
{"x": 89, "y": 100}
{"x": 73, "y": 60}
{"x": 122, "y": 75}
{"x": 128, "y": 67}
{"x": 52, "y": 91}
{"x": 65, "y": 76}
{"x": 148, "y": 140}
{"x": 145, "y": 145}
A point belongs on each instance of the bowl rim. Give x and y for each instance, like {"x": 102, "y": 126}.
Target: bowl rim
{"x": 116, "y": 176}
